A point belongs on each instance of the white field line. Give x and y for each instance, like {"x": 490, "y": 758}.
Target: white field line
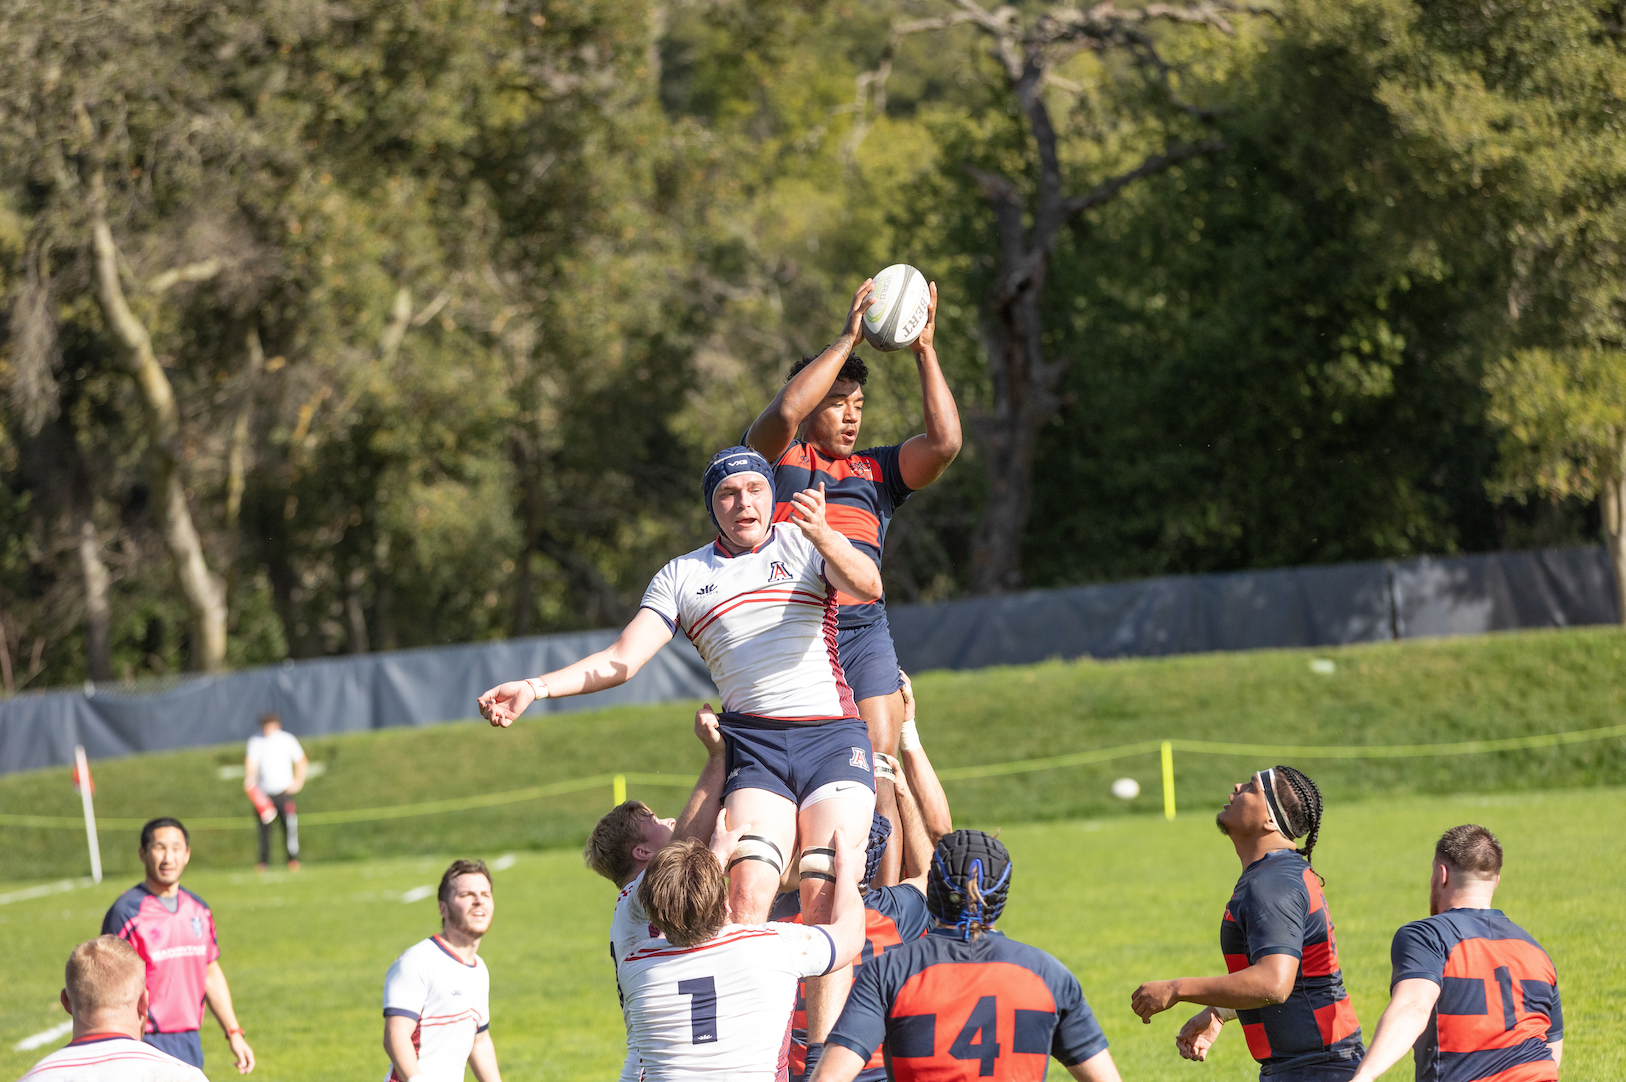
{"x": 41, "y": 891}
{"x": 44, "y": 1036}
{"x": 504, "y": 862}
{"x": 417, "y": 894}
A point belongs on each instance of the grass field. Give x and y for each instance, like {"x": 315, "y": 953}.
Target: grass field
{"x": 1400, "y": 693}
{"x": 1119, "y": 900}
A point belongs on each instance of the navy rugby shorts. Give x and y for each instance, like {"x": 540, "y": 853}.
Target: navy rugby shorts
{"x": 868, "y": 659}
{"x": 794, "y": 760}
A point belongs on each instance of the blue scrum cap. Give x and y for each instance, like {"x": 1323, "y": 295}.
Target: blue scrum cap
{"x": 726, "y": 463}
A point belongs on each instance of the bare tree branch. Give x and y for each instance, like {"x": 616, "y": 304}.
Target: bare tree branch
{"x": 191, "y": 272}
{"x": 1154, "y": 164}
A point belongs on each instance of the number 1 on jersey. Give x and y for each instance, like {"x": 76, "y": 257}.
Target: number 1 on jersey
{"x": 702, "y": 1008}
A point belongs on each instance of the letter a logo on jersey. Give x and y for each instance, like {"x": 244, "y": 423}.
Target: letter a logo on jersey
{"x": 858, "y": 759}
{"x": 778, "y": 573}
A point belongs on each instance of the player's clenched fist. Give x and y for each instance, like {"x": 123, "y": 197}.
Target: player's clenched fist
{"x": 1153, "y": 997}
{"x": 506, "y": 702}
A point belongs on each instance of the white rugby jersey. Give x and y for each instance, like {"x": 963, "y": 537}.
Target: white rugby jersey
{"x": 115, "y": 1058}
{"x": 722, "y": 1009}
{"x": 765, "y": 623}
{"x": 628, "y": 928}
{"x": 450, "y": 1001}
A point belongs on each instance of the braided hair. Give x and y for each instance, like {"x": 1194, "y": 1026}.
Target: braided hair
{"x": 1301, "y": 803}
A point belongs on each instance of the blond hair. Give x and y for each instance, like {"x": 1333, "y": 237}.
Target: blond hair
{"x": 103, "y": 974}
{"x": 609, "y": 848}
{"x": 685, "y": 893}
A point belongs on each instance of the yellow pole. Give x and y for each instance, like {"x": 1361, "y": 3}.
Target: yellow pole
{"x": 1168, "y": 780}
{"x": 619, "y": 790}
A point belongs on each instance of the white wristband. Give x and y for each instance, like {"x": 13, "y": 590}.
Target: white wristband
{"x": 1224, "y": 1014}
{"x": 538, "y": 688}
{"x": 883, "y": 769}
{"x": 909, "y": 737}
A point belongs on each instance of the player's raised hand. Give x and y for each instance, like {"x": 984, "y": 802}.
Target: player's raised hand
{"x": 908, "y": 691}
{"x": 1153, "y": 997}
{"x": 705, "y": 727}
{"x": 924, "y": 342}
{"x": 849, "y": 859}
{"x": 807, "y": 512}
{"x": 725, "y": 839}
{"x": 855, "y": 315}
{"x": 1198, "y": 1035}
{"x": 503, "y": 704}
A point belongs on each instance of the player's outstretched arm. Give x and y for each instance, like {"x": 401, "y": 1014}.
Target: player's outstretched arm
{"x": 1098, "y": 1068}
{"x": 776, "y": 426}
{"x": 1268, "y": 981}
{"x": 917, "y": 844}
{"x": 699, "y": 816}
{"x": 1410, "y": 1004}
{"x": 922, "y": 459}
{"x": 217, "y": 993}
{"x": 640, "y": 640}
{"x": 398, "y": 1045}
{"x": 846, "y": 927}
{"x": 483, "y": 1058}
{"x": 919, "y": 772}
{"x": 849, "y": 570}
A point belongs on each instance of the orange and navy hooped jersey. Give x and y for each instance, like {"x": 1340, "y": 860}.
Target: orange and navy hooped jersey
{"x": 860, "y": 493}
{"x": 949, "y": 1010}
{"x": 893, "y": 916}
{"x": 178, "y": 946}
{"x": 1278, "y": 908}
{"x": 1498, "y": 1007}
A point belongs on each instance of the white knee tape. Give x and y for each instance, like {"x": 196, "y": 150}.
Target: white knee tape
{"x": 756, "y": 847}
{"x": 819, "y": 864}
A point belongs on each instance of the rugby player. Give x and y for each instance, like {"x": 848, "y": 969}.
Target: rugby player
{"x": 711, "y": 997}
{"x": 759, "y": 603}
{"x": 173, "y": 931}
{"x": 809, "y": 432}
{"x": 437, "y": 994}
{"x": 1471, "y": 993}
{"x": 965, "y": 1002}
{"x": 1284, "y": 982}
{"x": 622, "y": 842}
{"x": 274, "y": 770}
{"x": 106, "y": 994}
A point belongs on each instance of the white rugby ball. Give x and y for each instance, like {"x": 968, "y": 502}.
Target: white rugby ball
{"x": 1126, "y": 788}
{"x": 902, "y": 298}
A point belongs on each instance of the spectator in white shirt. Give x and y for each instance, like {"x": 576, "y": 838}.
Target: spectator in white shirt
{"x": 273, "y": 772}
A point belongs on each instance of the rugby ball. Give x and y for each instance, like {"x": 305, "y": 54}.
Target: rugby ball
{"x": 1126, "y": 788}
{"x": 902, "y": 299}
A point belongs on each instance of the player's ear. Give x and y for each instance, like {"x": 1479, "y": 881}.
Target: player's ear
{"x": 67, "y": 1005}
{"x": 143, "y": 1004}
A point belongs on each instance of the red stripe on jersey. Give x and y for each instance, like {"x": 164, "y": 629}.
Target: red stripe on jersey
{"x": 1318, "y": 900}
{"x": 1501, "y": 966}
{"x": 831, "y": 613}
{"x": 395, "y": 1072}
{"x": 734, "y": 937}
{"x": 1236, "y": 963}
{"x": 863, "y": 467}
{"x": 854, "y": 523}
{"x": 1320, "y": 959}
{"x": 1541, "y": 1071}
{"x": 1336, "y": 1021}
{"x": 1258, "y": 1043}
{"x": 755, "y": 597}
{"x": 951, "y": 993}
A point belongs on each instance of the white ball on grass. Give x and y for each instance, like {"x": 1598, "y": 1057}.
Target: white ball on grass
{"x": 1126, "y": 788}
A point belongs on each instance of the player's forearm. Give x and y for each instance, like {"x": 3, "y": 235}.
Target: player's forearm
{"x": 483, "y": 1059}
{"x": 1399, "y": 1026}
{"x": 943, "y": 436}
{"x": 930, "y": 798}
{"x": 1248, "y": 989}
{"x": 776, "y": 426}
{"x": 595, "y": 672}
{"x": 398, "y": 1046}
{"x": 850, "y": 571}
{"x": 1098, "y": 1068}
{"x": 217, "y": 993}
{"x": 699, "y": 817}
{"x": 840, "y": 1064}
{"x": 917, "y": 844}
{"x": 846, "y": 927}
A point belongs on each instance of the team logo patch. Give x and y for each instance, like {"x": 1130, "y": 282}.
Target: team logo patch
{"x": 859, "y": 760}
{"x": 197, "y": 927}
{"x": 708, "y": 588}
{"x": 861, "y": 468}
{"x": 778, "y": 573}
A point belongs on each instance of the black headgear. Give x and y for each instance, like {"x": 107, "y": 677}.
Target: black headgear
{"x": 880, "y": 829}
{"x": 963, "y": 858}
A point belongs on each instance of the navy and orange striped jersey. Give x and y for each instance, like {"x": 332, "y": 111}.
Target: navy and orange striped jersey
{"x": 860, "y": 493}
{"x": 948, "y": 1009}
{"x": 1498, "y": 1007}
{"x": 893, "y": 916}
{"x": 1278, "y": 908}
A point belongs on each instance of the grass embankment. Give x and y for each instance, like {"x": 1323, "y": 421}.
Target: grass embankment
{"x": 1404, "y": 693}
{"x": 1118, "y": 900}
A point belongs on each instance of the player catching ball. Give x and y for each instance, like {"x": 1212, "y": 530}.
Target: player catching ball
{"x": 759, "y": 604}
{"x": 810, "y": 432}
{"x": 437, "y": 995}
{"x": 1284, "y": 982}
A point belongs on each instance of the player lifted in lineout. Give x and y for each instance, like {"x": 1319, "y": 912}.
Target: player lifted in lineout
{"x": 1284, "y": 983}
{"x": 810, "y": 433}
{"x": 759, "y": 603}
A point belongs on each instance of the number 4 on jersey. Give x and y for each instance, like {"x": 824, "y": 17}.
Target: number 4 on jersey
{"x": 978, "y": 1039}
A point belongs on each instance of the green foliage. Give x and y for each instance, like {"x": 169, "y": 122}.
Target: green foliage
{"x": 1118, "y": 901}
{"x": 1564, "y": 415}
